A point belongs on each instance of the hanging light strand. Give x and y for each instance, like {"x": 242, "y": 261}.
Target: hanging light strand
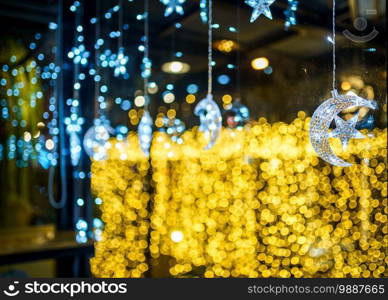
{"x": 121, "y": 12}
{"x": 146, "y": 51}
{"x": 210, "y": 49}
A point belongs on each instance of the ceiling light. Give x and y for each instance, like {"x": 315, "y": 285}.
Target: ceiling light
{"x": 175, "y": 67}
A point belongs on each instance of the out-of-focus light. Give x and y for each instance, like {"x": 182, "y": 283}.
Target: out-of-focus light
{"x": 168, "y": 97}
{"x": 139, "y": 101}
{"x": 268, "y": 70}
{"x": 227, "y": 99}
{"x": 223, "y": 79}
{"x": 153, "y": 88}
{"x": 225, "y": 45}
{"x": 351, "y": 93}
{"x": 346, "y": 86}
{"x": 49, "y": 144}
{"x": 190, "y": 98}
{"x": 175, "y": 67}
{"x": 192, "y": 88}
{"x": 176, "y": 236}
{"x": 260, "y": 63}
{"x": 27, "y": 136}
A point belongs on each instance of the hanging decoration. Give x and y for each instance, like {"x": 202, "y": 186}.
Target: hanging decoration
{"x": 173, "y": 6}
{"x": 327, "y": 111}
{"x": 260, "y": 7}
{"x": 75, "y": 121}
{"x": 323, "y": 117}
{"x": 120, "y": 59}
{"x": 204, "y": 11}
{"x": 207, "y": 109}
{"x": 290, "y": 14}
{"x": 145, "y": 126}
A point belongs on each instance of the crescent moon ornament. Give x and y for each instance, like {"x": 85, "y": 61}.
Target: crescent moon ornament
{"x": 323, "y": 117}
{"x": 210, "y": 119}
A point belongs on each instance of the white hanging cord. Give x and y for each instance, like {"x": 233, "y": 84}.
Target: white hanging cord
{"x": 334, "y": 59}
{"x": 210, "y": 50}
{"x": 146, "y": 50}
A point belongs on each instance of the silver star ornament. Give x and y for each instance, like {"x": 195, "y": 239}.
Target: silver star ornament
{"x": 346, "y": 130}
{"x": 260, "y": 7}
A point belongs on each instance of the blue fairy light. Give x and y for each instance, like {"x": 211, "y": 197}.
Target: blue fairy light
{"x": 204, "y": 11}
{"x": 290, "y": 13}
{"x": 237, "y": 115}
{"x": 79, "y": 54}
{"x": 223, "y": 79}
{"x": 192, "y": 88}
{"x": 174, "y": 128}
{"x": 145, "y": 132}
{"x": 173, "y": 6}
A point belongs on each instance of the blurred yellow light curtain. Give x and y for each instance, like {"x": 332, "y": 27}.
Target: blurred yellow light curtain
{"x": 259, "y": 204}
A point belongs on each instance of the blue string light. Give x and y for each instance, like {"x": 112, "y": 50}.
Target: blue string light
{"x": 290, "y": 14}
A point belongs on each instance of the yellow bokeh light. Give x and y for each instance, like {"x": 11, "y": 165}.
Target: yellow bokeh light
{"x": 260, "y": 203}
{"x": 346, "y": 86}
{"x": 260, "y": 63}
{"x": 190, "y": 98}
{"x": 171, "y": 113}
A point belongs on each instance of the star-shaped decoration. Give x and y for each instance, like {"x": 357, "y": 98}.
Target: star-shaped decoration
{"x": 260, "y": 7}
{"x": 173, "y": 5}
{"x": 346, "y": 130}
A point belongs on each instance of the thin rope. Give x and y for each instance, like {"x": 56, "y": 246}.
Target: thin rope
{"x": 210, "y": 50}
{"x": 146, "y": 49}
{"x": 334, "y": 58}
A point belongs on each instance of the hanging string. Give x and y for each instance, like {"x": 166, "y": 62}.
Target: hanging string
{"x": 146, "y": 51}
{"x": 333, "y": 42}
{"x": 210, "y": 50}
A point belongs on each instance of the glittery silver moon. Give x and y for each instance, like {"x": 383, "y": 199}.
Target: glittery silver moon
{"x": 210, "y": 118}
{"x": 322, "y": 118}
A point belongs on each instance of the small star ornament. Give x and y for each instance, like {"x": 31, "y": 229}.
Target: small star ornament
{"x": 260, "y": 7}
{"x": 346, "y": 130}
{"x": 173, "y": 6}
